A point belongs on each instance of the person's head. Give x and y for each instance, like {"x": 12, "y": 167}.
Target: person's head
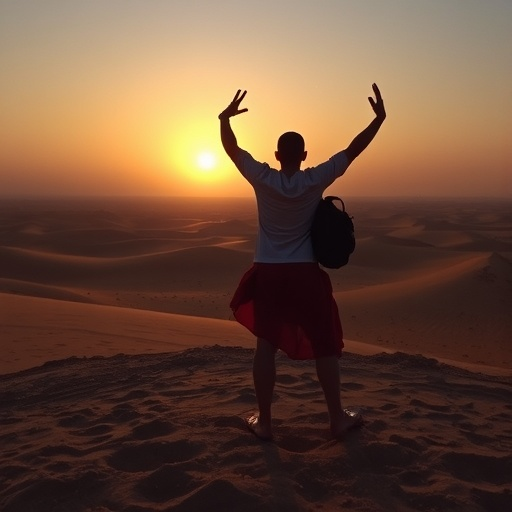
{"x": 290, "y": 149}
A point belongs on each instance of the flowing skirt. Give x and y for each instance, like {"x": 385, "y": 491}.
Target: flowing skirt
{"x": 292, "y": 307}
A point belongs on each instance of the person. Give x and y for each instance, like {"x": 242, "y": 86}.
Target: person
{"x": 285, "y": 299}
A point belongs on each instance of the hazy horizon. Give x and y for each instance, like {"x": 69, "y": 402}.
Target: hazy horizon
{"x": 251, "y": 198}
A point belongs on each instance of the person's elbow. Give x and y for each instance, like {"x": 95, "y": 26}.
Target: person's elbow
{"x": 351, "y": 153}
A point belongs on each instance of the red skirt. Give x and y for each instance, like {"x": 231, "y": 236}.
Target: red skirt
{"x": 291, "y": 306}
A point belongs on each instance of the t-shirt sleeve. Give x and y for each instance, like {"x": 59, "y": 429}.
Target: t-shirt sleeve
{"x": 251, "y": 169}
{"x": 326, "y": 173}
{"x": 340, "y": 162}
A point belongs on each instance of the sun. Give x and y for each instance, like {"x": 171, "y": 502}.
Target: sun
{"x": 206, "y": 161}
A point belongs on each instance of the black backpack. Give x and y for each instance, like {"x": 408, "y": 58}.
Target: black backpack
{"x": 332, "y": 233}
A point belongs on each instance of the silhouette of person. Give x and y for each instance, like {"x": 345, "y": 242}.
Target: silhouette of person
{"x": 285, "y": 299}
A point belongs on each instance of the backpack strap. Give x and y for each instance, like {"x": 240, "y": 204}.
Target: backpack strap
{"x": 335, "y": 198}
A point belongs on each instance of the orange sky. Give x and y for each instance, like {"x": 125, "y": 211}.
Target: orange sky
{"x": 115, "y": 97}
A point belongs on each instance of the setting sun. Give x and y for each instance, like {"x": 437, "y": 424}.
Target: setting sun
{"x": 206, "y": 161}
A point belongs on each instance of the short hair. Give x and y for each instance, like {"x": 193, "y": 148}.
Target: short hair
{"x": 291, "y": 147}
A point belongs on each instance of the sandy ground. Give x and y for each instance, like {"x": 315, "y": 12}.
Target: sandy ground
{"x": 123, "y": 376}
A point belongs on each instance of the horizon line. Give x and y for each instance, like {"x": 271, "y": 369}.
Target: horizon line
{"x": 244, "y": 197}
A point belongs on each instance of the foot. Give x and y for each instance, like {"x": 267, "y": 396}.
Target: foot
{"x": 258, "y": 428}
{"x": 349, "y": 420}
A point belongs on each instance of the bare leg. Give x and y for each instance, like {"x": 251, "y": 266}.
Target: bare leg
{"x": 264, "y": 374}
{"x": 328, "y": 371}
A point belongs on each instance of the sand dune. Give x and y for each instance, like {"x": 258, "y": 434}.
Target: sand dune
{"x": 414, "y": 282}
{"x": 179, "y": 268}
{"x": 121, "y": 243}
{"x": 233, "y": 227}
{"x": 159, "y": 428}
{"x": 164, "y": 432}
{"x": 387, "y": 253}
{"x": 35, "y": 330}
{"x": 30, "y": 289}
{"x": 458, "y": 312}
{"x": 462, "y": 240}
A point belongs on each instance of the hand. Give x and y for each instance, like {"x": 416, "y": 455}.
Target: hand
{"x": 233, "y": 108}
{"x": 377, "y": 104}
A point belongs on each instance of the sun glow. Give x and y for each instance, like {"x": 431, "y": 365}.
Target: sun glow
{"x": 194, "y": 160}
{"x": 206, "y": 161}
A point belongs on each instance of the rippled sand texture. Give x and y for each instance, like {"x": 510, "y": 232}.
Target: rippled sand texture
{"x": 164, "y": 432}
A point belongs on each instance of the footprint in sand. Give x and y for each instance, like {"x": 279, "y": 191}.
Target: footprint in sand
{"x": 149, "y": 456}
{"x": 166, "y": 483}
{"x": 155, "y": 428}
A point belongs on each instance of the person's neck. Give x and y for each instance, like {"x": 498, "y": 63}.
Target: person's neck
{"x": 290, "y": 170}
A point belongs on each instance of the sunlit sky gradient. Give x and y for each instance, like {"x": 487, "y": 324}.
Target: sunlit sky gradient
{"x": 120, "y": 97}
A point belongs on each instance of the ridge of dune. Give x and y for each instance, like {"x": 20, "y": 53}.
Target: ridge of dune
{"x": 36, "y": 330}
{"x": 423, "y": 278}
{"x": 232, "y": 227}
{"x": 87, "y": 233}
{"x": 388, "y": 253}
{"x": 28, "y": 288}
{"x": 103, "y": 245}
{"x": 401, "y": 241}
{"x": 452, "y": 312}
{"x": 464, "y": 240}
{"x": 144, "y": 246}
{"x": 174, "y": 266}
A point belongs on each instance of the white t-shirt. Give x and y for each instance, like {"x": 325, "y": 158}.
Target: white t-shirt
{"x": 286, "y": 206}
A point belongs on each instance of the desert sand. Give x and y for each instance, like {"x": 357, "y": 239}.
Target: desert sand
{"x": 124, "y": 379}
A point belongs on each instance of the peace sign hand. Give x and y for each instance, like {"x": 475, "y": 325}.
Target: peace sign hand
{"x": 233, "y": 108}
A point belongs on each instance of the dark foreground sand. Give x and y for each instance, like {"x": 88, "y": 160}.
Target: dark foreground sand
{"x": 159, "y": 428}
{"x": 164, "y": 432}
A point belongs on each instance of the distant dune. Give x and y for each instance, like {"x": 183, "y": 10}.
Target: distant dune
{"x": 426, "y": 277}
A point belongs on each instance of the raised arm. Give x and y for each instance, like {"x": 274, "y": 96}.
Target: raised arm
{"x": 227, "y": 135}
{"x": 361, "y": 141}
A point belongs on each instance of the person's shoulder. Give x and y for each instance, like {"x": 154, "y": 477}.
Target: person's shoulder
{"x": 326, "y": 172}
{"x": 340, "y": 158}
{"x": 337, "y": 159}
{"x": 249, "y": 160}
{"x": 243, "y": 158}
{"x": 253, "y": 169}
